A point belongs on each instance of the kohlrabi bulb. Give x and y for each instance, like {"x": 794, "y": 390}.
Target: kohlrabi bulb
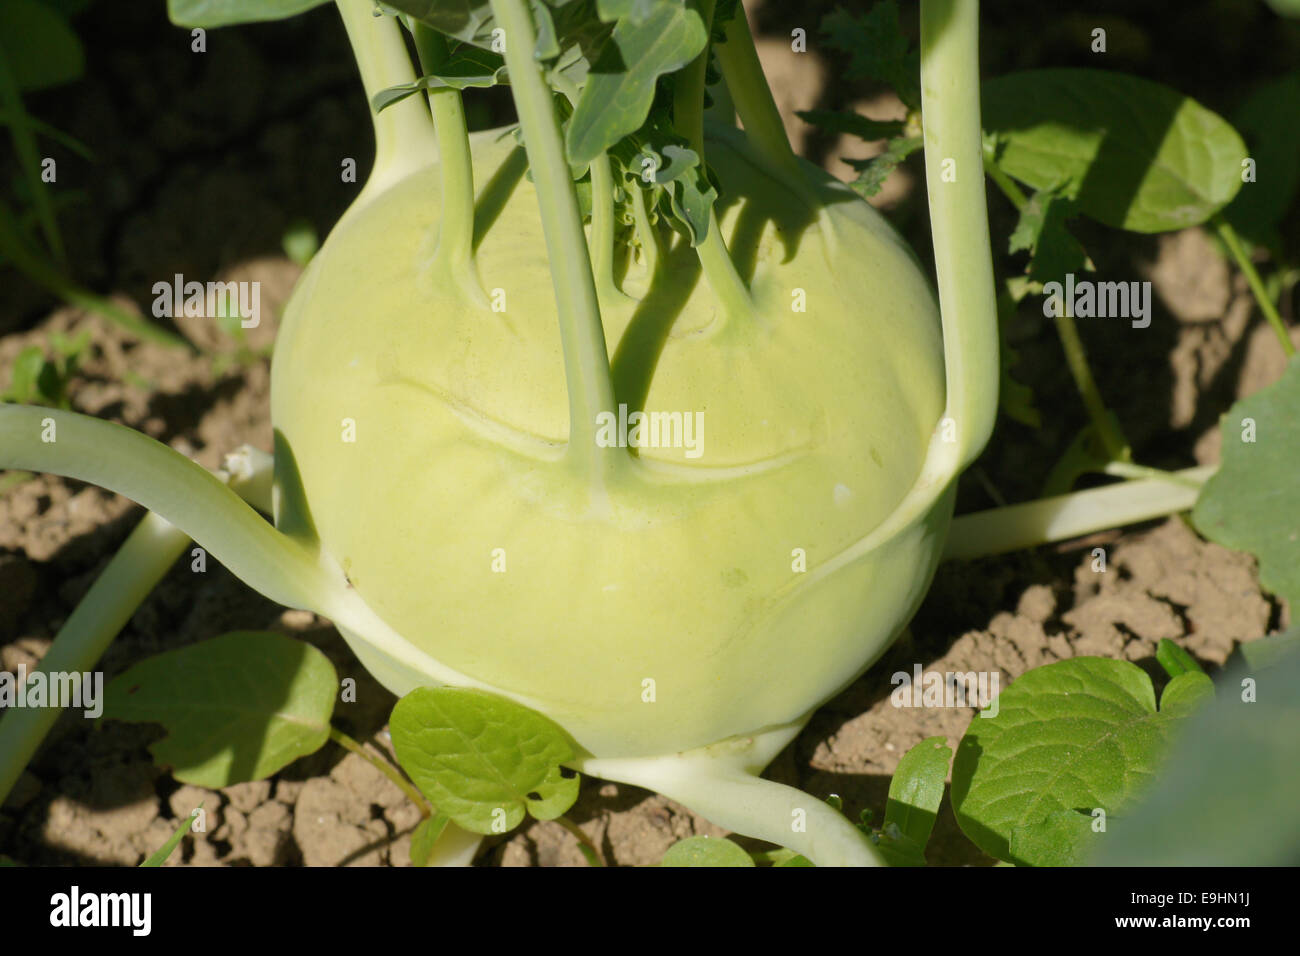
{"x": 707, "y": 591}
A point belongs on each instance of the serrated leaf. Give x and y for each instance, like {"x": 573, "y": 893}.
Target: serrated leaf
{"x": 916, "y": 790}
{"x": 621, "y": 84}
{"x": 1076, "y": 735}
{"x": 1135, "y": 154}
{"x": 236, "y": 708}
{"x": 1063, "y": 838}
{"x": 1227, "y": 794}
{"x": 1252, "y": 503}
{"x": 873, "y": 172}
{"x": 706, "y": 851}
{"x": 877, "y": 48}
{"x": 425, "y": 836}
{"x": 835, "y": 121}
{"x": 482, "y": 759}
{"x": 1041, "y": 231}
{"x": 224, "y": 13}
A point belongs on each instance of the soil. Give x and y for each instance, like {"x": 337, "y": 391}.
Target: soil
{"x": 206, "y": 184}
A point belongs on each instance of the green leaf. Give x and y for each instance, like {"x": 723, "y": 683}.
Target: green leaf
{"x": 1063, "y": 838}
{"x": 300, "y": 241}
{"x": 873, "y": 172}
{"x": 24, "y": 376}
{"x": 1267, "y": 651}
{"x": 877, "y": 49}
{"x": 1275, "y": 148}
{"x": 1175, "y": 660}
{"x": 1041, "y": 230}
{"x": 1077, "y": 735}
{"x": 236, "y": 708}
{"x": 159, "y": 856}
{"x": 225, "y": 13}
{"x": 1227, "y": 794}
{"x": 425, "y": 836}
{"x": 834, "y": 121}
{"x": 483, "y": 759}
{"x": 706, "y": 851}
{"x": 1135, "y": 154}
{"x": 621, "y": 85}
{"x": 37, "y": 46}
{"x": 916, "y": 790}
{"x": 1252, "y": 503}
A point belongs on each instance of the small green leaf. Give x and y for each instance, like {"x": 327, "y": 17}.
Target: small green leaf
{"x": 706, "y": 851}
{"x": 159, "y": 856}
{"x": 236, "y": 708}
{"x": 877, "y": 48}
{"x": 916, "y": 790}
{"x": 1252, "y": 503}
{"x": 1078, "y": 735}
{"x": 1041, "y": 230}
{"x": 37, "y": 46}
{"x": 300, "y": 241}
{"x": 24, "y": 375}
{"x": 1135, "y": 154}
{"x": 225, "y": 13}
{"x": 620, "y": 87}
{"x": 834, "y": 121}
{"x": 1175, "y": 660}
{"x": 873, "y": 172}
{"x": 483, "y": 759}
{"x": 425, "y": 836}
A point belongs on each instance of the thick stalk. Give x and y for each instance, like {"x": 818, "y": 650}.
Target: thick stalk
{"x": 602, "y": 228}
{"x": 404, "y": 136}
{"x": 1070, "y": 516}
{"x": 148, "y": 553}
{"x": 1262, "y": 298}
{"x": 752, "y": 98}
{"x": 586, "y": 361}
{"x": 454, "y": 255}
{"x": 950, "y": 105}
{"x": 688, "y": 119}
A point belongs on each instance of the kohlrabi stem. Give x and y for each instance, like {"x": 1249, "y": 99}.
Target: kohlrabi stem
{"x": 383, "y": 766}
{"x": 721, "y": 783}
{"x": 753, "y": 98}
{"x": 1070, "y": 516}
{"x": 404, "y": 136}
{"x": 142, "y": 561}
{"x": 688, "y": 119}
{"x": 950, "y": 107}
{"x": 456, "y": 228}
{"x": 121, "y": 588}
{"x": 647, "y": 233}
{"x": 1262, "y": 298}
{"x": 602, "y": 227}
{"x": 586, "y": 360}
{"x": 149, "y": 473}
{"x": 1112, "y": 439}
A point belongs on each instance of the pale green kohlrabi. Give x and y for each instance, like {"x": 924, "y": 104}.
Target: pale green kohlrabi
{"x": 444, "y": 490}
